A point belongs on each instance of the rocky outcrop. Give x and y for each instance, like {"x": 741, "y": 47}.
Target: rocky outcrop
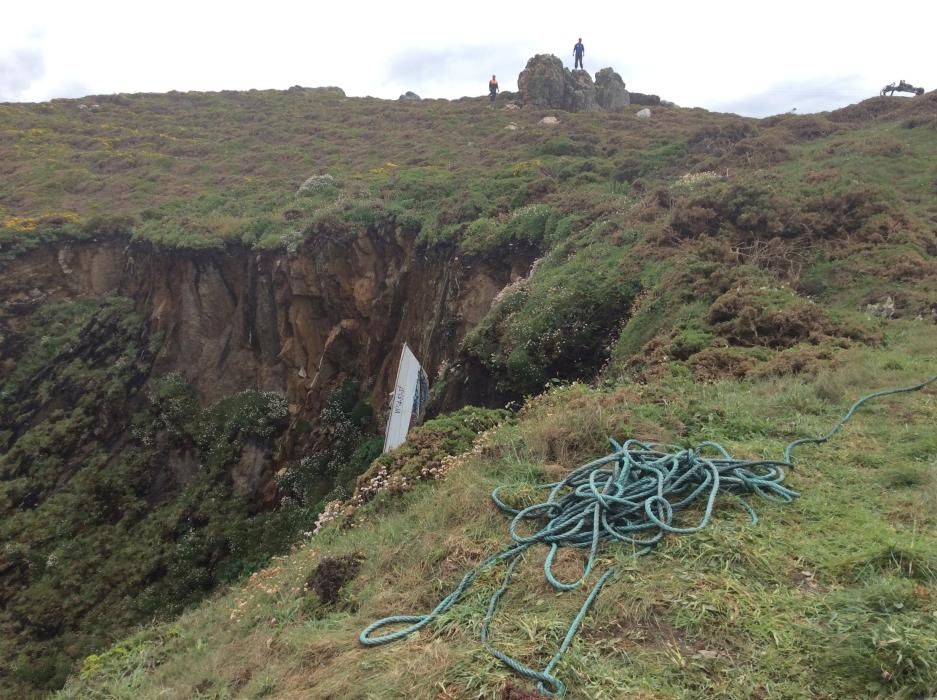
{"x": 639, "y": 98}
{"x": 296, "y": 324}
{"x": 610, "y": 92}
{"x": 582, "y": 93}
{"x": 409, "y": 96}
{"x": 123, "y": 438}
{"x": 546, "y": 84}
{"x": 331, "y": 90}
{"x": 506, "y": 96}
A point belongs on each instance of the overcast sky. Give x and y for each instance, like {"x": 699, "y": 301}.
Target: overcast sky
{"x": 754, "y": 58}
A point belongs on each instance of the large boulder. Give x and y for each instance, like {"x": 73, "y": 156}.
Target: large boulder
{"x": 546, "y": 84}
{"x": 543, "y": 82}
{"x": 409, "y": 96}
{"x": 610, "y": 92}
{"x": 582, "y": 92}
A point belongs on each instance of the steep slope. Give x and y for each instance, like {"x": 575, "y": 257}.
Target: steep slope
{"x": 263, "y": 340}
{"x": 196, "y": 350}
{"x": 832, "y": 596}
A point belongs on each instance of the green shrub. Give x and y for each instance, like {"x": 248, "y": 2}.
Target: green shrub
{"x": 428, "y": 444}
{"x": 691, "y": 337}
{"x": 564, "y": 146}
{"x": 560, "y": 324}
{"x": 329, "y": 471}
{"x": 113, "y": 225}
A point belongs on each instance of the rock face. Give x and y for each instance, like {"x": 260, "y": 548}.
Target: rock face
{"x": 298, "y": 324}
{"x": 582, "y": 95}
{"x": 610, "y": 92}
{"x": 546, "y": 84}
{"x": 295, "y": 324}
{"x": 639, "y": 98}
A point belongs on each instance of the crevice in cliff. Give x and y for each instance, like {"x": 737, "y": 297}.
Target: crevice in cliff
{"x": 295, "y": 324}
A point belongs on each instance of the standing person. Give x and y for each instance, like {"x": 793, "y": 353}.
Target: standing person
{"x": 578, "y": 51}
{"x": 493, "y": 88}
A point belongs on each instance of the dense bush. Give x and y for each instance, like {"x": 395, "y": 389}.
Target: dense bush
{"x": 560, "y": 323}
{"x": 345, "y": 451}
{"x": 120, "y": 499}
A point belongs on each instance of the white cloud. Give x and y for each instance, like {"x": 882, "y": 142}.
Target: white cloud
{"x": 724, "y": 54}
{"x": 19, "y": 69}
{"x": 810, "y": 95}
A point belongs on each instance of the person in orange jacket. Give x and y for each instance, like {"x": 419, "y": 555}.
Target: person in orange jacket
{"x": 493, "y": 88}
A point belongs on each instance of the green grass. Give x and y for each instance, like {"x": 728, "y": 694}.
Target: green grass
{"x": 199, "y": 169}
{"x": 824, "y": 598}
{"x": 557, "y": 324}
{"x": 708, "y": 275}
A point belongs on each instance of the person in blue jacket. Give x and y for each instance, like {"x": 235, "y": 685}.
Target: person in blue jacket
{"x": 578, "y": 51}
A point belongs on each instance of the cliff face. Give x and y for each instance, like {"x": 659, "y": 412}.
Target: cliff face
{"x": 293, "y": 323}
{"x": 191, "y": 483}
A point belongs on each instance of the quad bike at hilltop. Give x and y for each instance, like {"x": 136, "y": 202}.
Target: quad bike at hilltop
{"x": 891, "y": 89}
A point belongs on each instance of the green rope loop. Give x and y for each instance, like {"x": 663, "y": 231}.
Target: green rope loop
{"x": 631, "y": 495}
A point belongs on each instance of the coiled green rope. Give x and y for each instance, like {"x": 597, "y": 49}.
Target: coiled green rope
{"x": 630, "y": 495}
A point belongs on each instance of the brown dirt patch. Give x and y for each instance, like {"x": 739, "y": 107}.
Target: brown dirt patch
{"x": 512, "y": 692}
{"x": 332, "y": 573}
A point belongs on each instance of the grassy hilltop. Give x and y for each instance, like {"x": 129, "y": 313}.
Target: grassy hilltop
{"x": 700, "y": 276}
